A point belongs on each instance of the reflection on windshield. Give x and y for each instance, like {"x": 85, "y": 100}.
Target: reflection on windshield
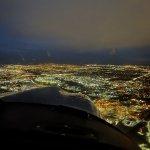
{"x": 120, "y": 92}
{"x": 54, "y": 96}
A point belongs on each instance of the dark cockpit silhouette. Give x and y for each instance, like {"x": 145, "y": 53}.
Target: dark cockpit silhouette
{"x": 48, "y": 118}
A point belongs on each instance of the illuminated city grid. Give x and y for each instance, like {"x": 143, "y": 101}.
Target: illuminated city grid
{"x": 120, "y": 92}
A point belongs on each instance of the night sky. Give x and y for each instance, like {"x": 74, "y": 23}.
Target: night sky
{"x": 75, "y": 31}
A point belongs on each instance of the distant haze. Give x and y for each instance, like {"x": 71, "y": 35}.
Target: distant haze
{"x": 76, "y": 25}
{"x": 120, "y": 57}
{"x": 80, "y": 23}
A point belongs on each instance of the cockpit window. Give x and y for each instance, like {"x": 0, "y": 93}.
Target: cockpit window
{"x": 95, "y": 53}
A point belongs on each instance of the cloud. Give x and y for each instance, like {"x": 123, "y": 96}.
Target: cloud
{"x": 82, "y": 24}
